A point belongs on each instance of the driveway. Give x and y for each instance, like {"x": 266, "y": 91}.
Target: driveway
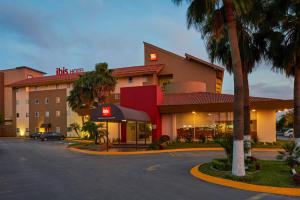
{"x": 37, "y": 170}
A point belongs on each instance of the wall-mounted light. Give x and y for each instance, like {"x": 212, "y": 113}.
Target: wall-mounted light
{"x": 193, "y": 112}
{"x": 153, "y": 56}
{"x": 253, "y": 110}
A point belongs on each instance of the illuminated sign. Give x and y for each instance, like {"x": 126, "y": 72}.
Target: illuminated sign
{"x": 153, "y": 56}
{"x": 106, "y": 111}
{"x": 66, "y": 71}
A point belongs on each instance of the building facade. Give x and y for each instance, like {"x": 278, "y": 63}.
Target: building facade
{"x": 179, "y": 94}
{"x": 7, "y": 99}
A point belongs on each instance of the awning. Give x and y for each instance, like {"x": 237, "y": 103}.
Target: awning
{"x": 113, "y": 112}
{"x": 46, "y": 125}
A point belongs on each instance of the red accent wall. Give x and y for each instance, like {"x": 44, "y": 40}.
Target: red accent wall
{"x": 144, "y": 98}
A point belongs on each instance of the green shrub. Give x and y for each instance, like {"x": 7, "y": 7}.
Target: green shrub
{"x": 155, "y": 146}
{"x": 226, "y": 141}
{"x": 221, "y": 164}
{"x": 246, "y": 178}
{"x": 164, "y": 139}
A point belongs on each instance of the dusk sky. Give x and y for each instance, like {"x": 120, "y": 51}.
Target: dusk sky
{"x": 79, "y": 33}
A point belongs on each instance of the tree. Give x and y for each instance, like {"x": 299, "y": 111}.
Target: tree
{"x": 74, "y": 127}
{"x": 250, "y": 51}
{"x": 92, "y": 129}
{"x": 224, "y": 13}
{"x": 91, "y": 89}
{"x": 282, "y": 41}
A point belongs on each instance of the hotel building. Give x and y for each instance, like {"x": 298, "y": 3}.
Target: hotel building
{"x": 7, "y": 77}
{"x": 170, "y": 94}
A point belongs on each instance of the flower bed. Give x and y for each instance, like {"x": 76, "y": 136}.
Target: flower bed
{"x": 271, "y": 173}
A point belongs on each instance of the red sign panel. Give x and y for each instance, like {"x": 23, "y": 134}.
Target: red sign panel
{"x": 106, "y": 111}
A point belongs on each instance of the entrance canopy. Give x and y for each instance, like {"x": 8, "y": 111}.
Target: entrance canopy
{"x": 117, "y": 113}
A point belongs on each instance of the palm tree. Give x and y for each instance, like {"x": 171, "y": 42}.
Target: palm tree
{"x": 251, "y": 53}
{"x": 74, "y": 126}
{"x": 91, "y": 89}
{"x": 282, "y": 36}
{"x": 92, "y": 129}
{"x": 224, "y": 13}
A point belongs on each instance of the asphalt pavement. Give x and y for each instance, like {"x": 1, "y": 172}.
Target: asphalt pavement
{"x": 34, "y": 170}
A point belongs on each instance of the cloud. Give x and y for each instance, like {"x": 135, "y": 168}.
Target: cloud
{"x": 281, "y": 90}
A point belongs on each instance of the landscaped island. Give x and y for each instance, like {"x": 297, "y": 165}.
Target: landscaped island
{"x": 271, "y": 173}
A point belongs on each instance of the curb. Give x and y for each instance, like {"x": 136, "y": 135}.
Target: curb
{"x": 244, "y": 186}
{"x": 156, "y": 151}
{"x": 142, "y": 152}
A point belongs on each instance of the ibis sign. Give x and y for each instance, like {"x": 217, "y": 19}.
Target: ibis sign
{"x": 66, "y": 71}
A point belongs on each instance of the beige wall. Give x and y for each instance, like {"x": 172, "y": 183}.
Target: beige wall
{"x": 182, "y": 69}
{"x": 136, "y": 81}
{"x": 22, "y": 107}
{"x": 11, "y": 76}
{"x": 266, "y": 125}
{"x": 185, "y": 87}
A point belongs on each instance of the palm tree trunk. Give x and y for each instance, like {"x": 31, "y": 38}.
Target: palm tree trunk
{"x": 238, "y": 165}
{"x": 247, "y": 131}
{"x": 297, "y": 106}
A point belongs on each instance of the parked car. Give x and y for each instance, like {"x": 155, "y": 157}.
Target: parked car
{"x": 289, "y": 133}
{"x": 52, "y": 136}
{"x": 35, "y": 135}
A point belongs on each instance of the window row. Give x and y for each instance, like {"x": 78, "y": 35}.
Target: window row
{"x": 37, "y": 114}
{"x": 37, "y": 101}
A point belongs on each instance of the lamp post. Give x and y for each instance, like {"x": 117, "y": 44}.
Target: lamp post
{"x": 194, "y": 120}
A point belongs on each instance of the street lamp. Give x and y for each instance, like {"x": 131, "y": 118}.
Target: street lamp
{"x": 194, "y": 120}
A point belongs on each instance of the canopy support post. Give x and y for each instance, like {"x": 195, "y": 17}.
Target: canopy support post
{"x": 107, "y": 136}
{"x": 136, "y": 135}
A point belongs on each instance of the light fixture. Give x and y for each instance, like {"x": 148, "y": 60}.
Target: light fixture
{"x": 253, "y": 110}
{"x": 194, "y": 112}
{"x": 153, "y": 56}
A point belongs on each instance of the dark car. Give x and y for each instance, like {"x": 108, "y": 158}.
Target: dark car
{"x": 52, "y": 136}
{"x": 35, "y": 135}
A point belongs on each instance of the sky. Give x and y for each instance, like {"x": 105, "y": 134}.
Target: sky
{"x": 80, "y": 33}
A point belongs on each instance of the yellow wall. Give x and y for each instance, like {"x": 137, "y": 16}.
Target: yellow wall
{"x": 266, "y": 125}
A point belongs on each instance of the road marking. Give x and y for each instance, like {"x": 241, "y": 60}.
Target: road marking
{"x": 23, "y": 159}
{"x": 258, "y": 196}
{"x": 152, "y": 168}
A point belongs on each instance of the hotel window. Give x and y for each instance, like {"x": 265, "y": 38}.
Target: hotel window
{"x": 18, "y": 130}
{"x": 46, "y": 100}
{"x": 18, "y": 115}
{"x": 27, "y": 130}
{"x": 27, "y": 89}
{"x": 57, "y": 113}
{"x": 17, "y": 102}
{"x": 37, "y": 114}
{"x": 17, "y": 90}
{"x": 58, "y": 129}
{"x": 29, "y": 76}
{"x": 47, "y": 114}
{"x": 36, "y": 88}
{"x": 130, "y": 79}
{"x": 57, "y": 86}
{"x": 117, "y": 95}
{"x": 36, "y": 101}
{"x": 27, "y": 114}
{"x": 68, "y": 85}
{"x": 57, "y": 99}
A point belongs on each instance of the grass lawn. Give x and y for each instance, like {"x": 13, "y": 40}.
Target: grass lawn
{"x": 272, "y": 173}
{"x": 179, "y": 145}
